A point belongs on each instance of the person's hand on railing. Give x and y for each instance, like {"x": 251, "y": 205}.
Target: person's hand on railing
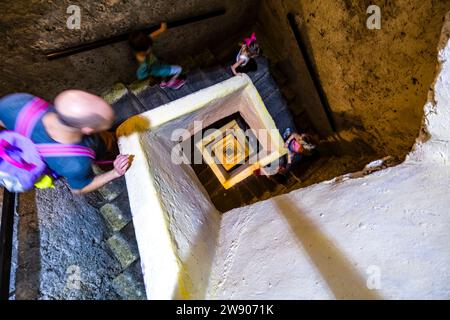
{"x": 162, "y": 28}
{"x": 121, "y": 164}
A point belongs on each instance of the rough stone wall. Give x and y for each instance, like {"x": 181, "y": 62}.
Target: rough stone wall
{"x": 376, "y": 81}
{"x": 29, "y": 28}
{"x": 279, "y": 44}
{"x": 71, "y": 259}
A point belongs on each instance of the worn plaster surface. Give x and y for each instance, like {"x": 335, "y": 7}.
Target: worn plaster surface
{"x": 376, "y": 81}
{"x": 384, "y": 236}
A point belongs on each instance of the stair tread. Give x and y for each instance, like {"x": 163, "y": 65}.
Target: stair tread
{"x": 177, "y": 94}
{"x": 125, "y": 107}
{"x": 197, "y": 80}
{"x": 265, "y": 86}
{"x": 263, "y": 69}
{"x": 153, "y": 97}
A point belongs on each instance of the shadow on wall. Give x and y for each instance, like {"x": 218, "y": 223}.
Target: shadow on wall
{"x": 29, "y": 263}
{"x": 196, "y": 267}
{"x": 340, "y": 146}
{"x": 195, "y": 258}
{"x": 338, "y": 272}
{"x": 192, "y": 220}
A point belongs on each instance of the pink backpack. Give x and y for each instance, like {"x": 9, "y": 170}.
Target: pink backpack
{"x": 21, "y": 160}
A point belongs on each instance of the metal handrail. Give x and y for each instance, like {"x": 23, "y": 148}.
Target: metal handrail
{"x": 124, "y": 36}
{"x": 6, "y": 242}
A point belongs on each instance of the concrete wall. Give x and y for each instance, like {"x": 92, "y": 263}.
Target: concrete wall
{"x": 175, "y": 223}
{"x": 375, "y": 80}
{"x": 28, "y": 29}
{"x": 384, "y": 236}
{"x": 330, "y": 240}
{"x": 193, "y": 220}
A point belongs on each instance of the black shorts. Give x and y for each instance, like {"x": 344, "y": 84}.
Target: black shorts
{"x": 251, "y": 66}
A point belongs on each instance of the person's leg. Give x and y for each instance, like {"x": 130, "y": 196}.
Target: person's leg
{"x": 174, "y": 73}
{"x": 287, "y": 133}
{"x": 166, "y": 71}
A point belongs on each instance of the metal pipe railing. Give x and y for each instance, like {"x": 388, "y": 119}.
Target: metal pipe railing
{"x": 124, "y": 36}
{"x": 6, "y": 242}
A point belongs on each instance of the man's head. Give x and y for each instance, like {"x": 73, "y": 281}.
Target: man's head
{"x": 84, "y": 111}
{"x": 141, "y": 43}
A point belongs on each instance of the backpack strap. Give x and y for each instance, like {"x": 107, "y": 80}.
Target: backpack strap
{"x": 26, "y": 121}
{"x": 21, "y": 164}
{"x": 64, "y": 150}
{"x": 30, "y": 115}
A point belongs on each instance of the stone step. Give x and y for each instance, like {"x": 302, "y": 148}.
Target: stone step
{"x": 266, "y": 195}
{"x": 198, "y": 80}
{"x": 112, "y": 190}
{"x": 279, "y": 183}
{"x": 284, "y": 120}
{"x": 277, "y": 108}
{"x": 152, "y": 97}
{"x": 286, "y": 68}
{"x": 263, "y": 69}
{"x": 173, "y": 94}
{"x": 129, "y": 284}
{"x": 124, "y": 247}
{"x": 212, "y": 184}
{"x": 227, "y": 199}
{"x": 114, "y": 93}
{"x": 246, "y": 192}
{"x": 125, "y": 107}
{"x": 117, "y": 214}
{"x": 205, "y": 174}
{"x": 138, "y": 86}
{"x": 217, "y": 74}
{"x": 265, "y": 86}
{"x": 224, "y": 205}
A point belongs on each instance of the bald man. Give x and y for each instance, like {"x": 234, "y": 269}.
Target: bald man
{"x": 77, "y": 117}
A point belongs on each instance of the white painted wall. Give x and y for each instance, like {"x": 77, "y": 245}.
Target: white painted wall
{"x": 175, "y": 224}
{"x": 193, "y": 220}
{"x": 320, "y": 242}
{"x": 327, "y": 240}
